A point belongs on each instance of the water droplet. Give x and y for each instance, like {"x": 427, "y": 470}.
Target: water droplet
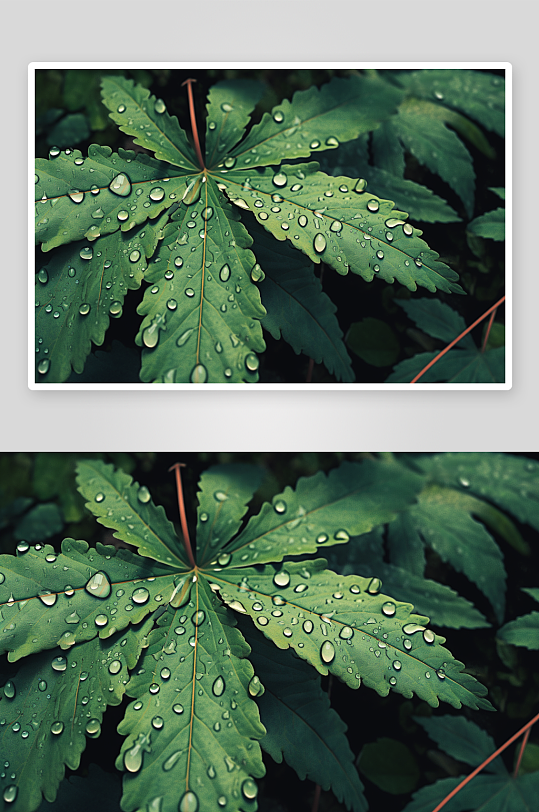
{"x": 223, "y": 559}
{"x": 101, "y": 620}
{"x": 157, "y": 722}
{"x": 154, "y": 688}
{"x": 279, "y": 506}
{"x": 123, "y": 215}
{"x": 380, "y": 254}
{"x": 407, "y": 229}
{"x": 159, "y": 106}
{"x": 463, "y": 482}
{"x": 429, "y": 636}
{"x": 407, "y": 644}
{"x": 9, "y": 689}
{"x": 249, "y": 789}
{"x": 280, "y": 179}
{"x": 440, "y": 673}
{"x": 189, "y": 801}
{"x": 42, "y": 685}
{"x": 84, "y": 309}
{"x": 393, "y": 680}
{"x": 389, "y": 608}
{"x": 308, "y": 626}
{"x": 373, "y": 205}
{"x": 251, "y": 362}
{"x": 134, "y": 256}
{"x": 73, "y": 618}
{"x": 184, "y": 337}
{"x": 278, "y": 116}
{"x": 281, "y": 579}
{"x": 412, "y": 628}
{"x": 397, "y": 665}
{"x": 189, "y": 292}
{"x": 177, "y": 708}
{"x": 43, "y": 366}
{"x": 43, "y": 276}
{"x": 99, "y": 585}
{"x": 336, "y": 226}
{"x": 76, "y": 196}
{"x": 59, "y": 664}
{"x": 86, "y": 252}
{"x": 199, "y": 374}
{"x": 121, "y": 108}
{"x": 374, "y": 586}
{"x": 120, "y": 185}
{"x": 115, "y": 667}
{"x": 224, "y": 273}
{"x": 157, "y": 194}
{"x": 47, "y": 597}
{"x": 140, "y": 596}
{"x": 262, "y": 620}
{"x": 218, "y": 686}
{"x": 319, "y": 243}
{"x": 341, "y": 535}
{"x": 255, "y": 686}
{"x": 327, "y": 652}
{"x": 346, "y": 633}
{"x": 198, "y": 618}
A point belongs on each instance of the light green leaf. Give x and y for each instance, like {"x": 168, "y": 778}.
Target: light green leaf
{"x": 349, "y": 231}
{"x": 357, "y": 634}
{"x": 507, "y": 480}
{"x": 79, "y": 197}
{"x": 118, "y": 502}
{"x": 317, "y": 120}
{"x": 230, "y": 104}
{"x": 463, "y": 740}
{"x": 300, "y": 724}
{"x": 324, "y": 510}
{"x": 49, "y": 599}
{"x": 297, "y": 308}
{"x": 491, "y": 225}
{"x": 479, "y": 95}
{"x": 440, "y": 150}
{"x": 141, "y": 115}
{"x": 188, "y": 688}
{"x": 78, "y": 291}
{"x": 498, "y": 190}
{"x": 202, "y": 314}
{"x": 54, "y": 704}
{"x": 224, "y": 491}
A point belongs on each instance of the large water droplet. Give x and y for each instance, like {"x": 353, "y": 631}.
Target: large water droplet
{"x": 255, "y": 686}
{"x": 47, "y": 597}
{"x": 428, "y": 636}
{"x": 76, "y": 196}
{"x": 373, "y": 205}
{"x": 224, "y": 273}
{"x": 251, "y": 362}
{"x": 86, "y": 252}
{"x": 280, "y": 179}
{"x": 157, "y": 194}
{"x": 184, "y": 337}
{"x": 319, "y": 243}
{"x": 143, "y": 494}
{"x": 412, "y": 628}
{"x": 374, "y": 586}
{"x": 199, "y": 374}
{"x": 189, "y": 801}
{"x": 281, "y": 578}
{"x": 120, "y": 185}
{"x": 407, "y": 229}
{"x": 115, "y": 667}
{"x": 346, "y": 633}
{"x": 389, "y": 608}
{"x": 101, "y": 621}
{"x": 99, "y": 585}
{"x": 308, "y": 626}
{"x": 59, "y": 664}
{"x": 327, "y": 652}
{"x": 159, "y": 106}
{"x": 9, "y": 689}
{"x": 279, "y": 506}
{"x": 249, "y": 789}
{"x": 140, "y": 596}
{"x": 218, "y": 686}
{"x": 198, "y": 618}
{"x": 10, "y": 793}
{"x": 57, "y": 728}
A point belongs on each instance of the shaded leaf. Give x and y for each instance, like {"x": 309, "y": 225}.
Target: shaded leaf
{"x": 230, "y": 104}
{"x": 524, "y": 631}
{"x": 40, "y": 523}
{"x": 463, "y": 740}
{"x": 491, "y": 225}
{"x": 390, "y": 765}
{"x": 373, "y": 341}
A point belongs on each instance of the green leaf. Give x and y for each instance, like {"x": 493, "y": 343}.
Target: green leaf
{"x": 221, "y": 507}
{"x": 405, "y": 545}
{"x": 317, "y": 120}
{"x": 57, "y": 703}
{"x": 40, "y": 523}
{"x": 373, "y": 341}
{"x": 297, "y": 308}
{"x": 72, "y": 129}
{"x": 119, "y": 503}
{"x": 51, "y": 599}
{"x": 301, "y": 727}
{"x": 324, "y": 510}
{"x": 357, "y": 634}
{"x": 409, "y": 196}
{"x": 463, "y": 740}
{"x": 98, "y": 789}
{"x": 456, "y": 366}
{"x": 487, "y": 793}
{"x": 437, "y": 319}
{"x": 390, "y": 765}
{"x": 440, "y": 150}
{"x": 230, "y": 104}
{"x": 104, "y": 193}
{"x": 507, "y": 480}
{"x": 491, "y": 225}
{"x": 351, "y": 233}
{"x": 479, "y": 95}
{"x": 387, "y": 150}
{"x": 202, "y": 327}
{"x": 524, "y": 631}
{"x": 141, "y": 115}
{"x": 189, "y": 687}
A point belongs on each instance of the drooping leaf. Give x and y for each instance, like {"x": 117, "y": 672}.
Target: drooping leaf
{"x": 437, "y": 319}
{"x": 118, "y": 502}
{"x": 297, "y": 308}
{"x": 357, "y": 634}
{"x": 352, "y": 233}
{"x": 202, "y": 326}
{"x": 324, "y": 510}
{"x": 524, "y": 631}
{"x": 301, "y": 727}
{"x": 463, "y": 740}
{"x": 316, "y": 120}
{"x": 54, "y": 704}
{"x": 194, "y": 727}
{"x": 491, "y": 225}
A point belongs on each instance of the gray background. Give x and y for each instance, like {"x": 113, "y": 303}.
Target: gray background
{"x": 246, "y": 419}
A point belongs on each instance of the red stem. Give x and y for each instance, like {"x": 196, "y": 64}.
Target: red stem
{"x": 194, "y": 121}
{"x": 183, "y": 518}
{"x": 489, "y": 326}
{"x": 525, "y": 738}
{"x": 487, "y": 761}
{"x": 467, "y": 330}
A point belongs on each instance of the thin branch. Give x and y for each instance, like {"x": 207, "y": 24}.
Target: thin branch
{"x": 465, "y": 332}
{"x": 188, "y": 82}
{"x": 525, "y": 738}
{"x": 489, "y": 327}
{"x": 183, "y": 518}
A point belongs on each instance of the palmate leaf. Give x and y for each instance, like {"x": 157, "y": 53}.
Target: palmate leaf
{"x": 357, "y": 634}
{"x": 53, "y": 704}
{"x": 297, "y": 308}
{"x": 323, "y": 511}
{"x": 194, "y": 727}
{"x": 332, "y": 219}
{"x": 300, "y": 724}
{"x": 202, "y": 317}
{"x": 230, "y": 104}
